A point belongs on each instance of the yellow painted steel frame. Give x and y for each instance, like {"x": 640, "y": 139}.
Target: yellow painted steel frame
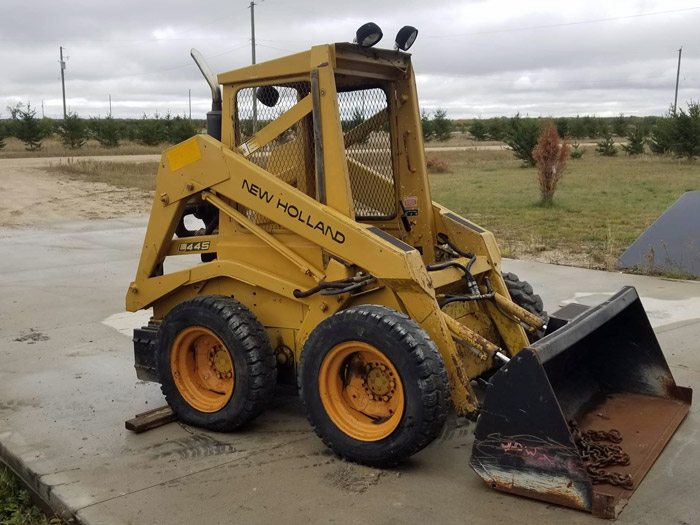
{"x": 317, "y": 237}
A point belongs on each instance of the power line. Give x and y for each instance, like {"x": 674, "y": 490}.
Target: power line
{"x": 562, "y": 24}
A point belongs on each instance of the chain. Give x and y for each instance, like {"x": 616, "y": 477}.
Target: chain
{"x": 597, "y": 456}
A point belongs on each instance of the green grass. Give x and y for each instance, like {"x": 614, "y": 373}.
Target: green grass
{"x": 140, "y": 175}
{"x": 601, "y": 206}
{"x": 16, "y": 507}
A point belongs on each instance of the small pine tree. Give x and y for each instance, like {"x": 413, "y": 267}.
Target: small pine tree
{"x": 478, "y": 130}
{"x": 442, "y": 126}
{"x": 619, "y": 125}
{"x": 686, "y": 132}
{"x": 522, "y": 138}
{"x": 427, "y": 125}
{"x": 3, "y": 134}
{"x": 105, "y": 131}
{"x": 576, "y": 153}
{"x": 152, "y": 131}
{"x": 550, "y": 158}
{"x": 637, "y": 137}
{"x": 181, "y": 129}
{"x": 29, "y": 129}
{"x": 660, "y": 138}
{"x": 606, "y": 147}
{"x": 72, "y": 131}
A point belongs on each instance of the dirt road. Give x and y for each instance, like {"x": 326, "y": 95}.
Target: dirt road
{"x": 29, "y": 194}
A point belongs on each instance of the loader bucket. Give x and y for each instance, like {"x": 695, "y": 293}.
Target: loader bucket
{"x": 602, "y": 371}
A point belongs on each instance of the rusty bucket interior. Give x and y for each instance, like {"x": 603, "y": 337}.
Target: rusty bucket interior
{"x": 579, "y": 417}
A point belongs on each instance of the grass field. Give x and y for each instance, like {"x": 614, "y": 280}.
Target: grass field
{"x": 602, "y": 205}
{"x": 53, "y": 147}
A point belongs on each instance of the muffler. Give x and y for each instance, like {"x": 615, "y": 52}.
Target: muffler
{"x": 579, "y": 417}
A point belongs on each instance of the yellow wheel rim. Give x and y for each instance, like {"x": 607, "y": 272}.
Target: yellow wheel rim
{"x": 361, "y": 391}
{"x": 202, "y": 369}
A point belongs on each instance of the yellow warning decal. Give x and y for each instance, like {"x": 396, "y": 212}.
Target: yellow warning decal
{"x": 184, "y": 154}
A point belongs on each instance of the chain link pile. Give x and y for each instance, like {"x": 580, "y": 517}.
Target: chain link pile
{"x": 598, "y": 456}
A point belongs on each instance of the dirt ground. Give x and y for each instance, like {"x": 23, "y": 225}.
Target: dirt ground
{"x": 30, "y": 195}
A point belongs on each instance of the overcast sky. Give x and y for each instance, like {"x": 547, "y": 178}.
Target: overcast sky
{"x": 473, "y": 58}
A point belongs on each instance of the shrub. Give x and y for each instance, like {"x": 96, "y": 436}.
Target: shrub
{"x": 637, "y": 137}
{"x": 182, "y": 129}
{"x": 3, "y": 134}
{"x": 29, "y": 128}
{"x": 436, "y": 165}
{"x": 522, "y": 138}
{"x": 152, "y": 131}
{"x": 685, "y": 136}
{"x": 441, "y": 125}
{"x": 576, "y": 153}
{"x": 550, "y": 158}
{"x": 72, "y": 131}
{"x": 105, "y": 131}
{"x": 606, "y": 147}
{"x": 660, "y": 137}
{"x": 479, "y": 130}
{"x": 427, "y": 125}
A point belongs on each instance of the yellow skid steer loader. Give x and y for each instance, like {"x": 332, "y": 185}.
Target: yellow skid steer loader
{"x": 322, "y": 261}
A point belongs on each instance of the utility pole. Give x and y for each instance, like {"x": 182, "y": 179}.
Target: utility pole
{"x": 110, "y": 105}
{"x": 63, "y": 82}
{"x": 678, "y": 74}
{"x": 252, "y": 42}
{"x": 189, "y": 99}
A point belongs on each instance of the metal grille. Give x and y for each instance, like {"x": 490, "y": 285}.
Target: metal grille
{"x": 291, "y": 155}
{"x": 364, "y": 116}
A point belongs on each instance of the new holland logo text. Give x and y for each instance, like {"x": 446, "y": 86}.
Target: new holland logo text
{"x": 193, "y": 246}
{"x": 294, "y": 212}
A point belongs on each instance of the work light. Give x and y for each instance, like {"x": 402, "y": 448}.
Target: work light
{"x": 368, "y": 35}
{"x": 405, "y": 37}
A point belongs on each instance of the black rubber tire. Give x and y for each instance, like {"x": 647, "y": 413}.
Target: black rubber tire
{"x": 418, "y": 362}
{"x": 523, "y": 295}
{"x": 250, "y": 350}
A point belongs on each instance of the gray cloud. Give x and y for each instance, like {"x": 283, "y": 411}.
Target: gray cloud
{"x": 472, "y": 58}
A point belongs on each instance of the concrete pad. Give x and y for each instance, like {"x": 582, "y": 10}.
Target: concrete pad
{"x": 67, "y": 385}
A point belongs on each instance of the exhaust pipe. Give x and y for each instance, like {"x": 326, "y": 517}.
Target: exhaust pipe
{"x": 213, "y": 116}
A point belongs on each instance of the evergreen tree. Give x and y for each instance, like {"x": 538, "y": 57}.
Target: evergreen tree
{"x": 427, "y": 125}
{"x": 181, "y": 129}
{"x": 686, "y": 132}
{"x": 660, "y": 139}
{"x": 105, "y": 131}
{"x": 29, "y": 128}
{"x": 442, "y": 126}
{"x": 478, "y": 130}
{"x": 3, "y": 134}
{"x": 637, "y": 137}
{"x": 606, "y": 147}
{"x": 72, "y": 131}
{"x": 522, "y": 137}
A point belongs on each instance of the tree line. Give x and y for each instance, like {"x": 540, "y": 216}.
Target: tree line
{"x": 74, "y": 130}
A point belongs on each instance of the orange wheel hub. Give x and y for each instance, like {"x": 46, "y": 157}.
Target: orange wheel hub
{"x": 361, "y": 391}
{"x": 202, "y": 369}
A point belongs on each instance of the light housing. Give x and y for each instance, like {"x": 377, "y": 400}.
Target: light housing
{"x": 368, "y": 35}
{"x": 406, "y": 37}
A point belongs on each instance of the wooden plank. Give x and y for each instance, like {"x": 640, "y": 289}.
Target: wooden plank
{"x": 152, "y": 419}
